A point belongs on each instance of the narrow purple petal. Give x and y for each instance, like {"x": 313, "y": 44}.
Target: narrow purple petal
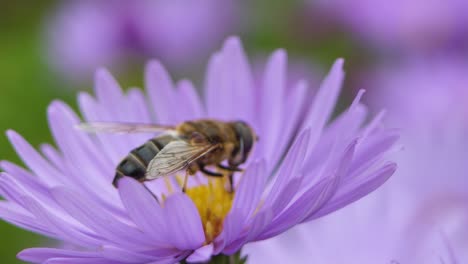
{"x": 324, "y": 101}
{"x": 112, "y": 107}
{"x": 188, "y": 101}
{"x": 138, "y": 107}
{"x": 374, "y": 124}
{"x": 348, "y": 122}
{"x": 113, "y": 146}
{"x": 91, "y": 171}
{"x": 84, "y": 210}
{"x": 183, "y": 220}
{"x": 313, "y": 199}
{"x": 250, "y": 189}
{"x": 291, "y": 123}
{"x": 25, "y": 178}
{"x": 143, "y": 208}
{"x": 348, "y": 195}
{"x": 271, "y": 112}
{"x": 161, "y": 92}
{"x": 54, "y": 156}
{"x": 245, "y": 202}
{"x": 39, "y": 255}
{"x": 16, "y": 187}
{"x": 286, "y": 195}
{"x": 229, "y": 80}
{"x": 372, "y": 149}
{"x": 257, "y": 226}
{"x": 290, "y": 167}
{"x": 213, "y": 91}
{"x": 310, "y": 201}
{"x": 41, "y": 167}
{"x": 126, "y": 256}
{"x": 18, "y": 216}
{"x": 202, "y": 254}
{"x": 80, "y": 261}
{"x": 58, "y": 226}
{"x": 108, "y": 93}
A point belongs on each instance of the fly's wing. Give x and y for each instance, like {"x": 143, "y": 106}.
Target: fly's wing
{"x": 176, "y": 156}
{"x": 103, "y": 127}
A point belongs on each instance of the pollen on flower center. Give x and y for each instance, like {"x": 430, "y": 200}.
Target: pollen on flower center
{"x": 213, "y": 203}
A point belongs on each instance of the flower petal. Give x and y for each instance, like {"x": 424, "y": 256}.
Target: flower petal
{"x": 259, "y": 223}
{"x": 348, "y": 194}
{"x": 41, "y": 167}
{"x": 129, "y": 256}
{"x": 290, "y": 167}
{"x": 73, "y": 260}
{"x": 245, "y": 203}
{"x": 189, "y": 102}
{"x": 143, "y": 208}
{"x": 161, "y": 93}
{"x": 58, "y": 226}
{"x": 87, "y": 169}
{"x": 39, "y": 255}
{"x": 272, "y": 94}
{"x": 108, "y": 93}
{"x": 20, "y": 217}
{"x": 183, "y": 220}
{"x": 291, "y": 123}
{"x": 310, "y": 201}
{"x": 229, "y": 80}
{"x": 250, "y": 189}
{"x": 84, "y": 210}
{"x": 202, "y": 254}
{"x": 324, "y": 101}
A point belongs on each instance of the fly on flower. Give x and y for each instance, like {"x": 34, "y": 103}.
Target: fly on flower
{"x": 305, "y": 167}
{"x": 190, "y": 146}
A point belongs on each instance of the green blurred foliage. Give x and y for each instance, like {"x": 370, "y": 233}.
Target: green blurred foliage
{"x": 25, "y": 91}
{"x": 27, "y": 85}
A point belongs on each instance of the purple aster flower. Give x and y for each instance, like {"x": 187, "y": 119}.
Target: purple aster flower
{"x": 303, "y": 167}
{"x": 400, "y": 24}
{"x": 421, "y": 214}
{"x": 84, "y": 35}
{"x": 367, "y": 232}
{"x": 426, "y": 98}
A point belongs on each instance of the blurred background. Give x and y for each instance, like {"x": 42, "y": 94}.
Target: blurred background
{"x": 409, "y": 55}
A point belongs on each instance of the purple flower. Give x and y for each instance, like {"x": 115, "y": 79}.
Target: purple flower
{"x": 421, "y": 214}
{"x": 400, "y": 24}
{"x": 427, "y": 98}
{"x": 367, "y": 232}
{"x": 84, "y": 35}
{"x": 303, "y": 167}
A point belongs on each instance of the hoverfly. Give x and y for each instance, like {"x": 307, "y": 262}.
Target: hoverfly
{"x": 191, "y": 146}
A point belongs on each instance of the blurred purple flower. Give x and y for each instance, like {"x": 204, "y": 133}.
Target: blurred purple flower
{"x": 421, "y": 215}
{"x": 427, "y": 98}
{"x": 366, "y": 233}
{"x": 84, "y": 35}
{"x": 302, "y": 168}
{"x": 401, "y": 24}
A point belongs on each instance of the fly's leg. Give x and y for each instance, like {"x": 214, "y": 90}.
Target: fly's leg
{"x": 228, "y": 168}
{"x": 231, "y": 171}
{"x": 210, "y": 173}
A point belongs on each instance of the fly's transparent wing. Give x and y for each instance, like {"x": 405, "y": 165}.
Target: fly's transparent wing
{"x": 103, "y": 127}
{"x": 176, "y": 156}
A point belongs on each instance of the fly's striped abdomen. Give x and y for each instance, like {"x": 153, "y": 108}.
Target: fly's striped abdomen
{"x": 135, "y": 163}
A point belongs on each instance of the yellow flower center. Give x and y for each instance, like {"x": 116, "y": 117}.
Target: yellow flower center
{"x": 213, "y": 203}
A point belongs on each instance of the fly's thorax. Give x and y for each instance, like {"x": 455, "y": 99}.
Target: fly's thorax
{"x": 215, "y": 132}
